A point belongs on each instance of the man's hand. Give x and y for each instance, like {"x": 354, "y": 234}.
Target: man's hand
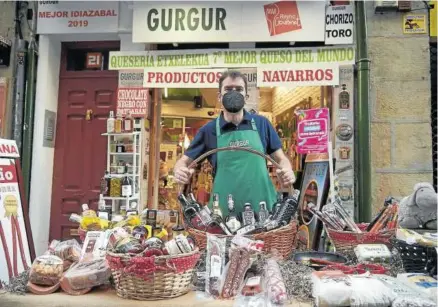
{"x": 287, "y": 176}
{"x": 183, "y": 174}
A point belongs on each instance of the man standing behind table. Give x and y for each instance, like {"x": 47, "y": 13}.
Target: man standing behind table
{"x": 241, "y": 174}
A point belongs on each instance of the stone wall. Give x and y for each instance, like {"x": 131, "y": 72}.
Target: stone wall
{"x": 7, "y": 30}
{"x": 401, "y": 143}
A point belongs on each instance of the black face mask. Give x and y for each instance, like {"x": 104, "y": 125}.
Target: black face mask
{"x": 233, "y": 101}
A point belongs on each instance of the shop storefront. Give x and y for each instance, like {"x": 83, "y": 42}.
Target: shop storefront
{"x": 172, "y": 93}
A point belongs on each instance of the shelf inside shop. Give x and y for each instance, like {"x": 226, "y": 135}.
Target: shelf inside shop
{"x": 124, "y": 153}
{"x": 122, "y": 134}
{"x": 134, "y": 197}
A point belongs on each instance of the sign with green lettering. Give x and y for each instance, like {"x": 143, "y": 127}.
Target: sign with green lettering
{"x": 229, "y": 58}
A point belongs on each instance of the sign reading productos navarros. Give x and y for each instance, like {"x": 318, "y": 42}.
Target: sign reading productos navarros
{"x": 228, "y": 58}
{"x": 182, "y": 78}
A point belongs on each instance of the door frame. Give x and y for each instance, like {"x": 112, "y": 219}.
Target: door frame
{"x": 55, "y": 209}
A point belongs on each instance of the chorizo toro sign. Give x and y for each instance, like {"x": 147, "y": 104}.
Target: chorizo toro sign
{"x": 228, "y": 21}
{"x": 56, "y": 17}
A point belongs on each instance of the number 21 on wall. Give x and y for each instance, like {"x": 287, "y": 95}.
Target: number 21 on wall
{"x": 94, "y": 60}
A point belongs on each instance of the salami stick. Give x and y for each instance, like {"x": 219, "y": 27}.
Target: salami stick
{"x": 274, "y": 283}
{"x": 20, "y": 243}
{"x": 231, "y": 272}
{"x": 244, "y": 263}
{"x": 6, "y": 250}
{"x": 14, "y": 248}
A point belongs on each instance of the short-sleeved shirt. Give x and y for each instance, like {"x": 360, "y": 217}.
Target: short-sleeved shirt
{"x": 205, "y": 140}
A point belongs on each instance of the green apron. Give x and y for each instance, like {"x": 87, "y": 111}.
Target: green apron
{"x": 242, "y": 174}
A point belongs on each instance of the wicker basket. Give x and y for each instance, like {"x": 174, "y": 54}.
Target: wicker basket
{"x": 416, "y": 258}
{"x": 152, "y": 278}
{"x": 281, "y": 240}
{"x": 346, "y": 241}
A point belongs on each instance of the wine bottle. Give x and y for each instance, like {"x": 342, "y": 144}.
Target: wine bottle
{"x": 248, "y": 216}
{"x": 232, "y": 221}
{"x": 263, "y": 213}
{"x": 216, "y": 208}
{"x": 217, "y": 224}
{"x": 105, "y": 184}
{"x": 198, "y": 219}
{"x": 103, "y": 212}
{"x": 128, "y": 123}
{"x": 194, "y": 202}
{"x": 110, "y": 123}
{"x": 126, "y": 186}
{"x": 188, "y": 209}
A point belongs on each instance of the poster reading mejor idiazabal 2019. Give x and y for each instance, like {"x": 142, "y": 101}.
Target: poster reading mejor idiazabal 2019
{"x": 343, "y": 109}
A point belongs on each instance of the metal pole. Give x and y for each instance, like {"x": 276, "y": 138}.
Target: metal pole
{"x": 363, "y": 116}
{"x": 20, "y": 83}
{"x": 29, "y": 109}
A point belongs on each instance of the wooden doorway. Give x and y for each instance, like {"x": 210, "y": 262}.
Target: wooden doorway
{"x": 86, "y": 96}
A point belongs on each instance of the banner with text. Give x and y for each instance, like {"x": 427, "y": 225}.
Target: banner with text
{"x": 339, "y": 25}
{"x": 182, "y": 78}
{"x": 312, "y": 131}
{"x": 229, "y": 58}
{"x": 298, "y": 75}
{"x": 133, "y": 100}
{"x": 228, "y": 21}
{"x": 57, "y": 17}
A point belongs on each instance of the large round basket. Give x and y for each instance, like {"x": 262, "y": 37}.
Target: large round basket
{"x": 280, "y": 240}
{"x": 346, "y": 241}
{"x": 152, "y": 278}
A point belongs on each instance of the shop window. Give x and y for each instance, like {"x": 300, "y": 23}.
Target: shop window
{"x": 88, "y": 59}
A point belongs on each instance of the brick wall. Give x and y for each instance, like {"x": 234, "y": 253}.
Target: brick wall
{"x": 283, "y": 98}
{"x": 7, "y": 30}
{"x": 399, "y": 105}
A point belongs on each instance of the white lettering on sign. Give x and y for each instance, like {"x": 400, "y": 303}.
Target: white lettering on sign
{"x": 94, "y": 60}
{"x": 339, "y": 23}
{"x": 8, "y": 148}
{"x": 133, "y": 100}
{"x": 188, "y": 78}
{"x": 239, "y": 143}
{"x": 6, "y": 175}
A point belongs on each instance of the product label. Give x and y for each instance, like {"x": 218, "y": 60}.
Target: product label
{"x": 216, "y": 266}
{"x": 205, "y": 217}
{"x": 253, "y": 281}
{"x": 103, "y": 215}
{"x": 128, "y": 125}
{"x": 126, "y": 190}
{"x": 110, "y": 126}
{"x": 233, "y": 225}
{"x": 246, "y": 229}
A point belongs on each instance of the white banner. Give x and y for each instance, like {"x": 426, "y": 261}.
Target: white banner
{"x": 298, "y": 75}
{"x": 182, "y": 78}
{"x": 339, "y": 25}
{"x": 230, "y": 58}
{"x": 56, "y": 17}
{"x": 228, "y": 21}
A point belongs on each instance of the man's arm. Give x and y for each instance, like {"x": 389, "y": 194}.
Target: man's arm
{"x": 286, "y": 173}
{"x": 281, "y": 159}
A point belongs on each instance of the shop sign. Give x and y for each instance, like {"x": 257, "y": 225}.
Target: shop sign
{"x": 298, "y": 75}
{"x": 133, "y": 100}
{"x": 9, "y": 149}
{"x": 228, "y": 21}
{"x": 58, "y": 17}
{"x": 339, "y": 25}
{"x": 252, "y": 103}
{"x": 414, "y": 24}
{"x": 131, "y": 78}
{"x": 229, "y": 58}
{"x": 182, "y": 78}
{"x": 312, "y": 130}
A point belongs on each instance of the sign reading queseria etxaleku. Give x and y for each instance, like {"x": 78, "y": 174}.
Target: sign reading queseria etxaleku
{"x": 228, "y": 21}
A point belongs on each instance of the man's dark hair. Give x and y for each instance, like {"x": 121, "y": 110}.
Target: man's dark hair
{"x": 233, "y": 74}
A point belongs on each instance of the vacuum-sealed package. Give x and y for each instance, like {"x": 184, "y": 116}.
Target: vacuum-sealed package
{"x": 331, "y": 288}
{"x": 89, "y": 274}
{"x": 67, "y": 250}
{"x": 46, "y": 270}
{"x": 369, "y": 291}
{"x": 215, "y": 263}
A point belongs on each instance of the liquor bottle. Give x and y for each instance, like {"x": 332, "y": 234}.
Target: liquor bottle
{"x": 276, "y": 207}
{"x": 128, "y": 123}
{"x": 263, "y": 213}
{"x": 216, "y": 225}
{"x": 103, "y": 212}
{"x": 248, "y": 216}
{"x": 344, "y": 98}
{"x": 216, "y": 208}
{"x": 105, "y": 184}
{"x": 76, "y": 218}
{"x": 232, "y": 221}
{"x": 126, "y": 186}
{"x": 194, "y": 202}
{"x": 132, "y": 209}
{"x": 110, "y": 123}
{"x": 118, "y": 124}
{"x": 198, "y": 219}
{"x": 137, "y": 124}
{"x": 286, "y": 212}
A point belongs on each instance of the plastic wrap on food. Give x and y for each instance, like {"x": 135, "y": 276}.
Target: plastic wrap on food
{"x": 369, "y": 291}
{"x": 331, "y": 288}
{"x": 274, "y": 284}
{"x": 93, "y": 246}
{"x": 89, "y": 274}
{"x": 215, "y": 263}
{"x": 67, "y": 250}
{"x": 234, "y": 273}
{"x": 46, "y": 270}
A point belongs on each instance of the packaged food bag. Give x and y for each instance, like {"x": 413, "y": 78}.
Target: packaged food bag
{"x": 86, "y": 275}
{"x": 46, "y": 270}
{"x": 69, "y": 250}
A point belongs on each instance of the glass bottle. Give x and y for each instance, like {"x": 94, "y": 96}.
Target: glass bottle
{"x": 118, "y": 124}
{"x": 232, "y": 221}
{"x": 110, "y": 123}
{"x": 263, "y": 213}
{"x": 115, "y": 187}
{"x": 103, "y": 212}
{"x": 105, "y": 184}
{"x": 194, "y": 202}
{"x": 86, "y": 211}
{"x": 128, "y": 123}
{"x": 126, "y": 186}
{"x": 248, "y": 216}
{"x": 216, "y": 207}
